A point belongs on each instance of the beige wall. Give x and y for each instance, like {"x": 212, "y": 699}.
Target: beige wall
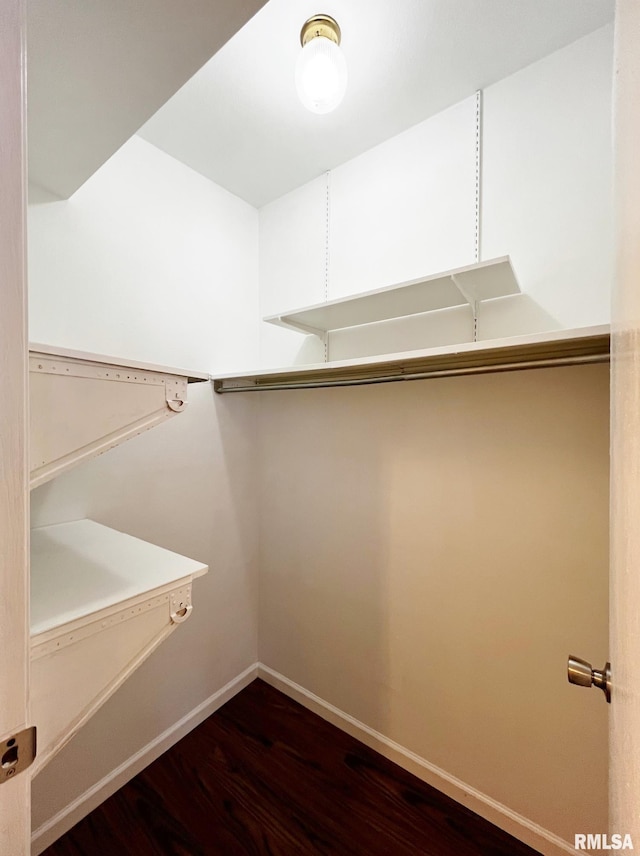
{"x": 431, "y": 552}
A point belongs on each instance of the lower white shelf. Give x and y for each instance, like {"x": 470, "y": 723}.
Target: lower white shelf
{"x": 101, "y": 602}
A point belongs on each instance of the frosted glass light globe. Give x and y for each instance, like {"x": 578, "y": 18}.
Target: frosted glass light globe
{"x": 321, "y": 75}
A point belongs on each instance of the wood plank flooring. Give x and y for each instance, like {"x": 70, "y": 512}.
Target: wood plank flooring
{"x": 265, "y": 776}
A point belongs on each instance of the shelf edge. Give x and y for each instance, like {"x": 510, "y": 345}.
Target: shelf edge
{"x": 86, "y": 356}
{"x": 574, "y": 347}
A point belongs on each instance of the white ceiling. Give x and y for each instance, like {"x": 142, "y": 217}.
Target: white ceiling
{"x": 238, "y": 120}
{"x": 98, "y": 70}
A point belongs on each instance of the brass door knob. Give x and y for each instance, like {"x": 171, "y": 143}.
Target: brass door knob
{"x": 584, "y": 675}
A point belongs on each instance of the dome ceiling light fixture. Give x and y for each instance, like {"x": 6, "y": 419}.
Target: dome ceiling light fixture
{"x": 321, "y": 69}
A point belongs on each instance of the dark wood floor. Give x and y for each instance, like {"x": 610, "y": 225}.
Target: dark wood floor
{"x": 265, "y": 776}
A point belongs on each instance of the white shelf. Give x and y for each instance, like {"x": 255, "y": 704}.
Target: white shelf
{"x": 84, "y": 404}
{"x": 102, "y": 359}
{"x": 101, "y": 602}
{"x": 80, "y": 568}
{"x": 468, "y": 285}
{"x": 553, "y": 348}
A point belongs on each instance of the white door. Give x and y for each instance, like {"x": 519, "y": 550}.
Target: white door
{"x": 15, "y": 808}
{"x": 624, "y": 746}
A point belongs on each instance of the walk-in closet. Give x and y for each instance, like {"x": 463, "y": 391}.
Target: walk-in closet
{"x": 322, "y": 399}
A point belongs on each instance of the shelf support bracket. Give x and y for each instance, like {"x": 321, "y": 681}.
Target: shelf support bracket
{"x": 175, "y": 394}
{"x": 473, "y": 302}
{"x": 284, "y": 321}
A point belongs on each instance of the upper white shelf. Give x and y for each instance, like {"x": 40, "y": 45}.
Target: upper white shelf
{"x": 463, "y": 286}
{"x": 73, "y": 355}
{"x": 82, "y": 567}
{"x": 83, "y": 404}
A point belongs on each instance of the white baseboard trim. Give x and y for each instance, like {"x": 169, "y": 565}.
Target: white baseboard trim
{"x": 515, "y": 824}
{"x": 67, "y": 817}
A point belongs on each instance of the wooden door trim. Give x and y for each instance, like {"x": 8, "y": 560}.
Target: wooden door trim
{"x": 624, "y": 751}
{"x": 14, "y": 484}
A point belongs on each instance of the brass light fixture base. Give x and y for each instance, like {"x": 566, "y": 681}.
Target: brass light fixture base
{"x": 320, "y": 25}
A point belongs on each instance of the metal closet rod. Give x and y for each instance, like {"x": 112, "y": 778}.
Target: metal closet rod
{"x": 550, "y": 362}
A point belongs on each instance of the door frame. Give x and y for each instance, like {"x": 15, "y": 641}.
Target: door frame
{"x": 15, "y": 793}
{"x": 624, "y": 579}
